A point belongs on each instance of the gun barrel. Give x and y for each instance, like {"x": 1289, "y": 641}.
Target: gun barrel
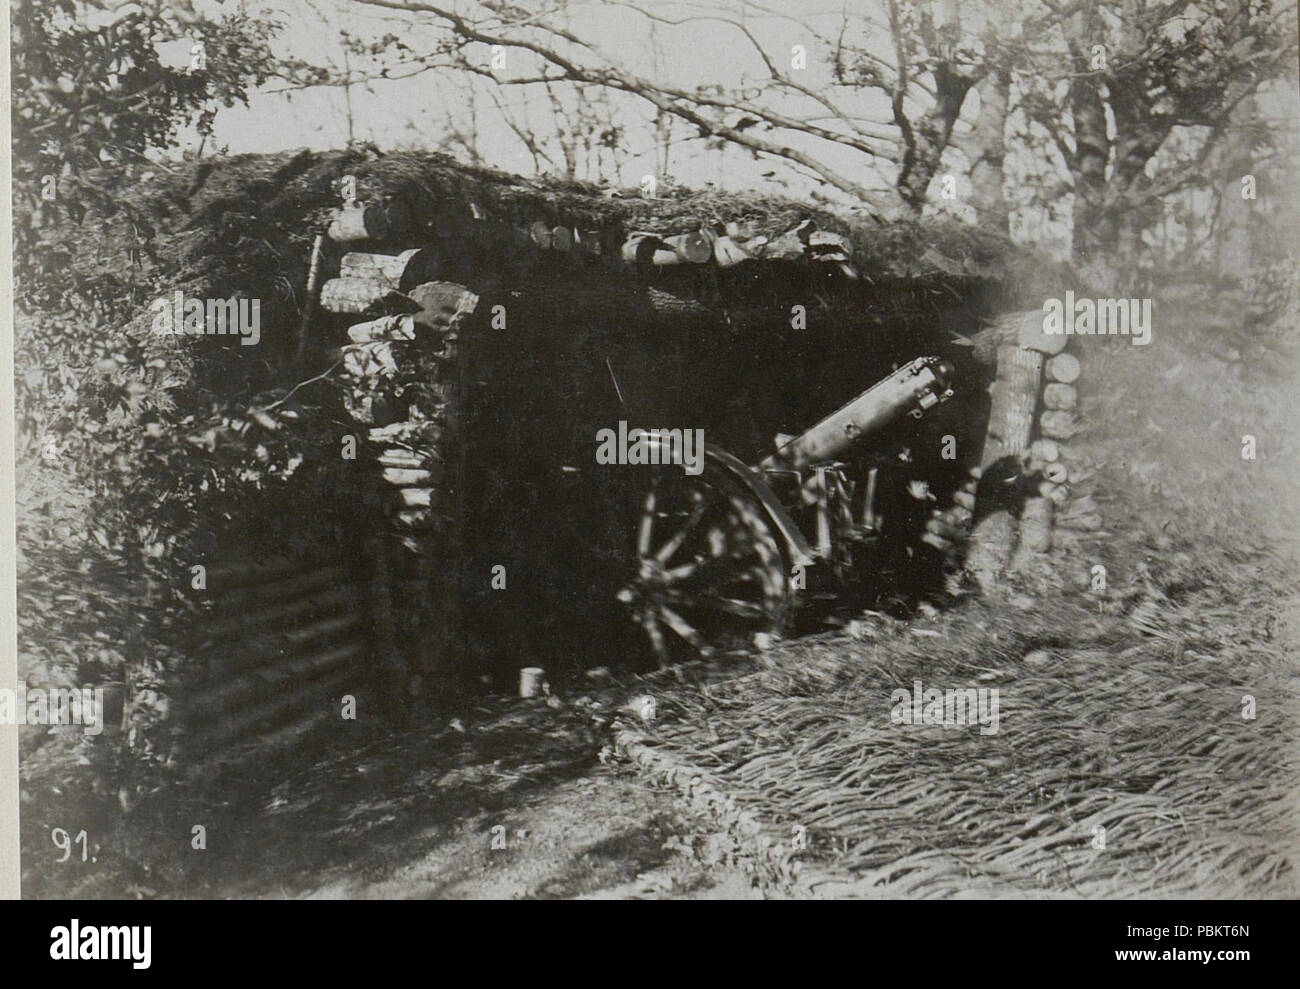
{"x": 915, "y": 386}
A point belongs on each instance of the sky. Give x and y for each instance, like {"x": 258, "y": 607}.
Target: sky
{"x": 417, "y": 112}
{"x": 696, "y": 50}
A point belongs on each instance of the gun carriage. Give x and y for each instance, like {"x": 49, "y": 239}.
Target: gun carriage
{"x": 721, "y": 557}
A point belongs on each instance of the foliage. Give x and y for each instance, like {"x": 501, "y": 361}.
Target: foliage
{"x": 135, "y": 451}
{"x": 91, "y": 87}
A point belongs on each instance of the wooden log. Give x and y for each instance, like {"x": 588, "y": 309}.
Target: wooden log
{"x": 1030, "y": 335}
{"x": 642, "y": 248}
{"x": 367, "y": 360}
{"x": 1003, "y": 330}
{"x": 359, "y": 223}
{"x": 384, "y": 328}
{"x": 589, "y": 241}
{"x": 1060, "y": 397}
{"x": 937, "y": 542}
{"x": 383, "y": 267}
{"x": 1011, "y": 421}
{"x": 828, "y": 247}
{"x": 727, "y": 253}
{"x": 1058, "y": 494}
{"x": 412, "y": 432}
{"x": 1058, "y": 425}
{"x": 1015, "y": 400}
{"x": 1045, "y": 450}
{"x": 693, "y": 247}
{"x": 412, "y": 520}
{"x": 793, "y": 244}
{"x": 540, "y": 234}
{"x": 561, "y": 239}
{"x": 1071, "y": 455}
{"x": 996, "y": 332}
{"x": 406, "y": 477}
{"x": 353, "y": 295}
{"x": 989, "y": 549}
{"x": 1036, "y": 525}
{"x": 1064, "y": 368}
{"x": 417, "y": 497}
{"x": 402, "y": 271}
{"x": 966, "y": 499}
{"x": 443, "y": 305}
{"x": 284, "y": 705}
{"x": 397, "y": 456}
{"x": 1056, "y": 473}
{"x": 827, "y": 242}
{"x": 1078, "y": 474}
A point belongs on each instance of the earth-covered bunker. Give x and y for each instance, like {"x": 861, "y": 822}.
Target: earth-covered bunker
{"x": 550, "y": 311}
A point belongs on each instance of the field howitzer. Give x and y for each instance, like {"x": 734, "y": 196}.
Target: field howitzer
{"x": 720, "y": 556}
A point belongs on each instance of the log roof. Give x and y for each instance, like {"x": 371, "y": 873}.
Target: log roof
{"x": 245, "y": 223}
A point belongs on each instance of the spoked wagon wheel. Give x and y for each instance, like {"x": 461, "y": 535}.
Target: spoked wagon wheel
{"x": 709, "y": 573}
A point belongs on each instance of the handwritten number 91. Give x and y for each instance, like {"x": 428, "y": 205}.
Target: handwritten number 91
{"x": 64, "y": 844}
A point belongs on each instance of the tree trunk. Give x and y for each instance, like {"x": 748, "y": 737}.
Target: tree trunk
{"x": 1094, "y": 233}
{"x": 930, "y": 136}
{"x": 987, "y": 150}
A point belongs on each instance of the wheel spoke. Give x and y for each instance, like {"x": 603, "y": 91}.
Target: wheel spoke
{"x": 656, "y": 635}
{"x": 646, "y": 530}
{"x": 675, "y": 543}
{"x": 709, "y": 572}
{"x": 684, "y": 628}
{"x": 675, "y": 574}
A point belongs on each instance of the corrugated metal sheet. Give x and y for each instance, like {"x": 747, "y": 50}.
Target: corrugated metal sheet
{"x": 286, "y": 636}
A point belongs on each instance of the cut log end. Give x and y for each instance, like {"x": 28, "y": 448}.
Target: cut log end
{"x": 1064, "y": 368}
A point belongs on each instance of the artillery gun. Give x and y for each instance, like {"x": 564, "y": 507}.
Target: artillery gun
{"x": 721, "y": 557}
{"x": 480, "y": 430}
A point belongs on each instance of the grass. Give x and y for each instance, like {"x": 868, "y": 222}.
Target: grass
{"x": 1128, "y": 716}
{"x": 1124, "y": 764}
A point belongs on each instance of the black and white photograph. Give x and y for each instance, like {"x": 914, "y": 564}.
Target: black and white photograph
{"x": 652, "y": 450}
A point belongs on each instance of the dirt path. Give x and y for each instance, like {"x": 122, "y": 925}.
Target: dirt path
{"x": 602, "y": 837}
{"x": 517, "y": 805}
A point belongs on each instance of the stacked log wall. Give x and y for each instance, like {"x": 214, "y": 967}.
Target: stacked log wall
{"x": 1035, "y": 413}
